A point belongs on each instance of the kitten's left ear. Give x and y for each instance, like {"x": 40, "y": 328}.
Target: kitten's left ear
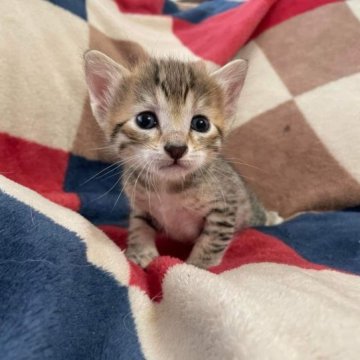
{"x": 103, "y": 76}
{"x": 231, "y": 78}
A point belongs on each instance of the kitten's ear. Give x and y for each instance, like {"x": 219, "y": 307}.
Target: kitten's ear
{"x": 103, "y": 76}
{"x": 231, "y": 78}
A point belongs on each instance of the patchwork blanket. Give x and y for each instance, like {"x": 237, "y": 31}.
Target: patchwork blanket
{"x": 285, "y": 292}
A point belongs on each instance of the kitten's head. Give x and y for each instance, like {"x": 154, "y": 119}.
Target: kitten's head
{"x": 165, "y": 117}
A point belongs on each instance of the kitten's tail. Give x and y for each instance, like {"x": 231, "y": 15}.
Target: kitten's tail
{"x": 273, "y": 218}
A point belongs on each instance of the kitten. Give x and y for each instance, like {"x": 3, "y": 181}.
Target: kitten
{"x": 166, "y": 120}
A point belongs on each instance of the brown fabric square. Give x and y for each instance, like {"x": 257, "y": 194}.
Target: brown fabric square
{"x": 287, "y": 165}
{"x": 89, "y": 140}
{"x": 314, "y": 48}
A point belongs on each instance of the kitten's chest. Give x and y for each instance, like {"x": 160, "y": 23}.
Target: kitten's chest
{"x": 180, "y": 216}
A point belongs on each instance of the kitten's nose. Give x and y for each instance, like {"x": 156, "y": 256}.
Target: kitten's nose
{"x": 175, "y": 151}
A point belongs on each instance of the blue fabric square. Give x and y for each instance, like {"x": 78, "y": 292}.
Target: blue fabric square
{"x": 77, "y": 7}
{"x": 330, "y": 238}
{"x": 98, "y": 186}
{"x": 202, "y": 11}
{"x": 54, "y": 304}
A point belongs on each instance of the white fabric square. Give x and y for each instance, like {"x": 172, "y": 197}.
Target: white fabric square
{"x": 235, "y": 315}
{"x": 333, "y": 112}
{"x": 42, "y": 86}
{"x": 354, "y": 5}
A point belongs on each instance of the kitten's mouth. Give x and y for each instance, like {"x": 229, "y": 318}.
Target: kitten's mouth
{"x": 174, "y": 165}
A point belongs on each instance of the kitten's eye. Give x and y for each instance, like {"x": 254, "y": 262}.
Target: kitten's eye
{"x": 200, "y": 123}
{"x": 146, "y": 120}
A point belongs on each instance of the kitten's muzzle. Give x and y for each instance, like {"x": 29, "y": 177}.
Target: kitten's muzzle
{"x": 176, "y": 152}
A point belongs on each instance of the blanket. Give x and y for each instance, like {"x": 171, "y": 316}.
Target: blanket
{"x": 290, "y": 291}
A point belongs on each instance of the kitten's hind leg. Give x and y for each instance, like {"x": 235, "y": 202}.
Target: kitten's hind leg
{"x": 141, "y": 247}
{"x": 273, "y": 218}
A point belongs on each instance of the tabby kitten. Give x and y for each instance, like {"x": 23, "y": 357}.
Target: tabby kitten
{"x": 166, "y": 120}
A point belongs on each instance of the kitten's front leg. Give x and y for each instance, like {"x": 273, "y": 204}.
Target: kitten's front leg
{"x": 141, "y": 247}
{"x": 211, "y": 245}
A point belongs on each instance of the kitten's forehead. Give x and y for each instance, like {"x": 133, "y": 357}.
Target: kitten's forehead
{"x": 176, "y": 81}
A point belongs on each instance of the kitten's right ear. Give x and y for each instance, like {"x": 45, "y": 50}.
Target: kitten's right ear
{"x": 103, "y": 76}
{"x": 231, "y": 78}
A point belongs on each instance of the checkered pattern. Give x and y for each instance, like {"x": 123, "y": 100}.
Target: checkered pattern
{"x": 295, "y": 141}
{"x": 299, "y": 113}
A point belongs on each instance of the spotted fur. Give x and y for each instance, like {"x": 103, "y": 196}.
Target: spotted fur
{"x": 199, "y": 197}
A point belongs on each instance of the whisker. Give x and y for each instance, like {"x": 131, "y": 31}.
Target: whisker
{"x": 241, "y": 175}
{"x": 101, "y": 196}
{"x": 109, "y": 172}
{"x": 98, "y": 173}
{"x": 124, "y": 183}
{"x": 237, "y": 161}
{"x": 115, "y": 164}
{"x": 218, "y": 183}
{"x": 156, "y": 188}
{"x": 101, "y": 147}
{"x": 135, "y": 185}
{"x": 147, "y": 181}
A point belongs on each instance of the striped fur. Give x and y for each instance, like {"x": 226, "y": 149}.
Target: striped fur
{"x": 199, "y": 197}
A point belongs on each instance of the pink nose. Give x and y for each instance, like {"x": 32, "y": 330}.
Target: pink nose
{"x": 175, "y": 151}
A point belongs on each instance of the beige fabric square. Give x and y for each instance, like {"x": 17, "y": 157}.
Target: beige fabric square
{"x": 333, "y": 112}
{"x": 354, "y": 5}
{"x": 154, "y": 33}
{"x": 41, "y": 82}
{"x": 263, "y": 88}
{"x": 286, "y": 164}
{"x": 314, "y": 48}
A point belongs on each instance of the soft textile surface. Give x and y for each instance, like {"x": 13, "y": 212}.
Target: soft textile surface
{"x": 285, "y": 292}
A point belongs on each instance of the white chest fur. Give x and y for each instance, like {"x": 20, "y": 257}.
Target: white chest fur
{"x": 179, "y": 215}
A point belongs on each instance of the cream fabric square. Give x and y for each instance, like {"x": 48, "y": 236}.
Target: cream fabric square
{"x": 42, "y": 89}
{"x": 263, "y": 89}
{"x": 354, "y": 6}
{"x": 333, "y": 112}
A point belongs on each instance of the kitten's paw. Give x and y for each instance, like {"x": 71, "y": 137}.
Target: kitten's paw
{"x": 203, "y": 263}
{"x": 273, "y": 218}
{"x": 142, "y": 257}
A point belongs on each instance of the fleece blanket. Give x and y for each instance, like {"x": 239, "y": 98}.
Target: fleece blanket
{"x": 285, "y": 292}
